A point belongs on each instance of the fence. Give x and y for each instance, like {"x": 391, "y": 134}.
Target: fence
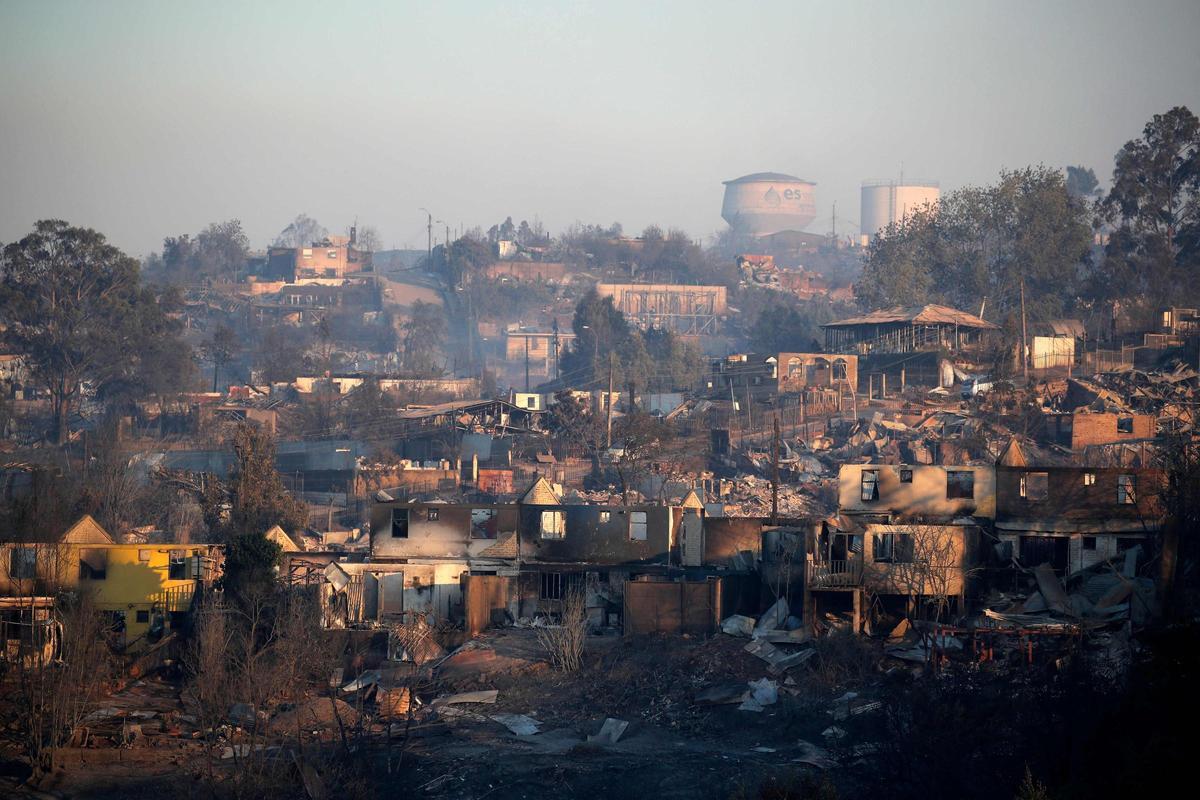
{"x": 830, "y": 574}
{"x": 672, "y": 607}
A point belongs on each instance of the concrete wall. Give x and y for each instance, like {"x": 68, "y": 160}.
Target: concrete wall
{"x": 725, "y": 537}
{"x": 1071, "y": 495}
{"x": 941, "y": 556}
{"x": 805, "y": 370}
{"x": 590, "y": 538}
{"x": 1106, "y": 546}
{"x": 447, "y": 536}
{"x": 924, "y": 495}
{"x": 1078, "y": 431}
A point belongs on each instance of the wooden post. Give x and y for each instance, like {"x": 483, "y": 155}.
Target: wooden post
{"x": 608, "y": 435}
{"x": 775, "y": 474}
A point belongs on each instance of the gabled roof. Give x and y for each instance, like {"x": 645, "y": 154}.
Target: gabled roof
{"x": 541, "y": 493}
{"x": 928, "y": 314}
{"x": 1013, "y": 455}
{"x": 86, "y": 531}
{"x": 692, "y": 500}
{"x": 277, "y": 535}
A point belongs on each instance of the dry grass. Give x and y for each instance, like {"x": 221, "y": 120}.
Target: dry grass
{"x": 564, "y": 642}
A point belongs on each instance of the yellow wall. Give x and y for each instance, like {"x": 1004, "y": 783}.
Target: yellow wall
{"x": 131, "y": 584}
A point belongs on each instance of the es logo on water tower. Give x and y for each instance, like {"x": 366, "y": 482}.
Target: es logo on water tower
{"x": 772, "y": 197}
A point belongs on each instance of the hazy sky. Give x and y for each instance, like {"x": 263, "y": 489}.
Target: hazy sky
{"x": 151, "y": 119}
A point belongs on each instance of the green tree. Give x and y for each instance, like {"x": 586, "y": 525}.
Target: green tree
{"x": 241, "y": 510}
{"x": 279, "y": 357}
{"x": 221, "y": 250}
{"x": 784, "y": 327}
{"x": 422, "y": 336}
{"x": 1153, "y": 251}
{"x": 72, "y": 303}
{"x": 1082, "y": 182}
{"x": 569, "y": 422}
{"x": 1026, "y": 232}
{"x": 301, "y": 232}
{"x": 600, "y": 329}
{"x": 221, "y": 348}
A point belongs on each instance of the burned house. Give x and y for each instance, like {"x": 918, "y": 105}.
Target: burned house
{"x": 331, "y": 259}
{"x": 1075, "y": 517}
{"x": 906, "y": 330}
{"x": 144, "y": 591}
{"x": 485, "y": 563}
{"x": 1081, "y": 429}
{"x": 905, "y": 536}
{"x": 762, "y": 376}
{"x": 887, "y": 491}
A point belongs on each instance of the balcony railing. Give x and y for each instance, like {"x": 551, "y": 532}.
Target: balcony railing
{"x": 833, "y": 574}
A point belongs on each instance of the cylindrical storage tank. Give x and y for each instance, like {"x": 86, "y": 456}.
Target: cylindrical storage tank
{"x": 887, "y": 202}
{"x": 768, "y": 202}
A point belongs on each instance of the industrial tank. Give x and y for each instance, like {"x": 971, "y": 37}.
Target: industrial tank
{"x": 886, "y": 202}
{"x": 768, "y": 202}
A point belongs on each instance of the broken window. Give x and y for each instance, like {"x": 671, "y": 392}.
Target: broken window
{"x": 143, "y": 616}
{"x": 895, "y": 548}
{"x": 1126, "y": 490}
{"x": 552, "y": 525}
{"x": 531, "y": 402}
{"x": 906, "y": 476}
{"x": 870, "y": 484}
{"x": 434, "y": 516}
{"x": 93, "y": 564}
{"x": 1124, "y": 424}
{"x": 552, "y": 585}
{"x": 839, "y": 370}
{"x": 1089, "y": 543}
{"x": 399, "y": 523}
{"x": 483, "y": 523}
{"x": 637, "y": 526}
{"x": 1089, "y": 479}
{"x": 1035, "y": 486}
{"x": 960, "y": 485}
{"x": 177, "y": 571}
{"x": 22, "y": 563}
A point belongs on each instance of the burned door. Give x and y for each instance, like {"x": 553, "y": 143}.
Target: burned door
{"x": 1052, "y": 550}
{"x": 693, "y": 539}
{"x": 486, "y": 597}
{"x": 391, "y": 594}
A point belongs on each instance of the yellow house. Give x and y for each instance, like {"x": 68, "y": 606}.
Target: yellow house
{"x": 143, "y": 588}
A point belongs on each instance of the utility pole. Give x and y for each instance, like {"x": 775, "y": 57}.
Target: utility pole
{"x": 556, "y": 349}
{"x": 775, "y": 474}
{"x": 527, "y": 363}
{"x": 428, "y": 237}
{"x": 1024, "y": 338}
{"x": 608, "y": 400}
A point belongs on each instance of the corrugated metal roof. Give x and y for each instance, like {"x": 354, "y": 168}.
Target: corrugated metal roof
{"x": 929, "y": 314}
